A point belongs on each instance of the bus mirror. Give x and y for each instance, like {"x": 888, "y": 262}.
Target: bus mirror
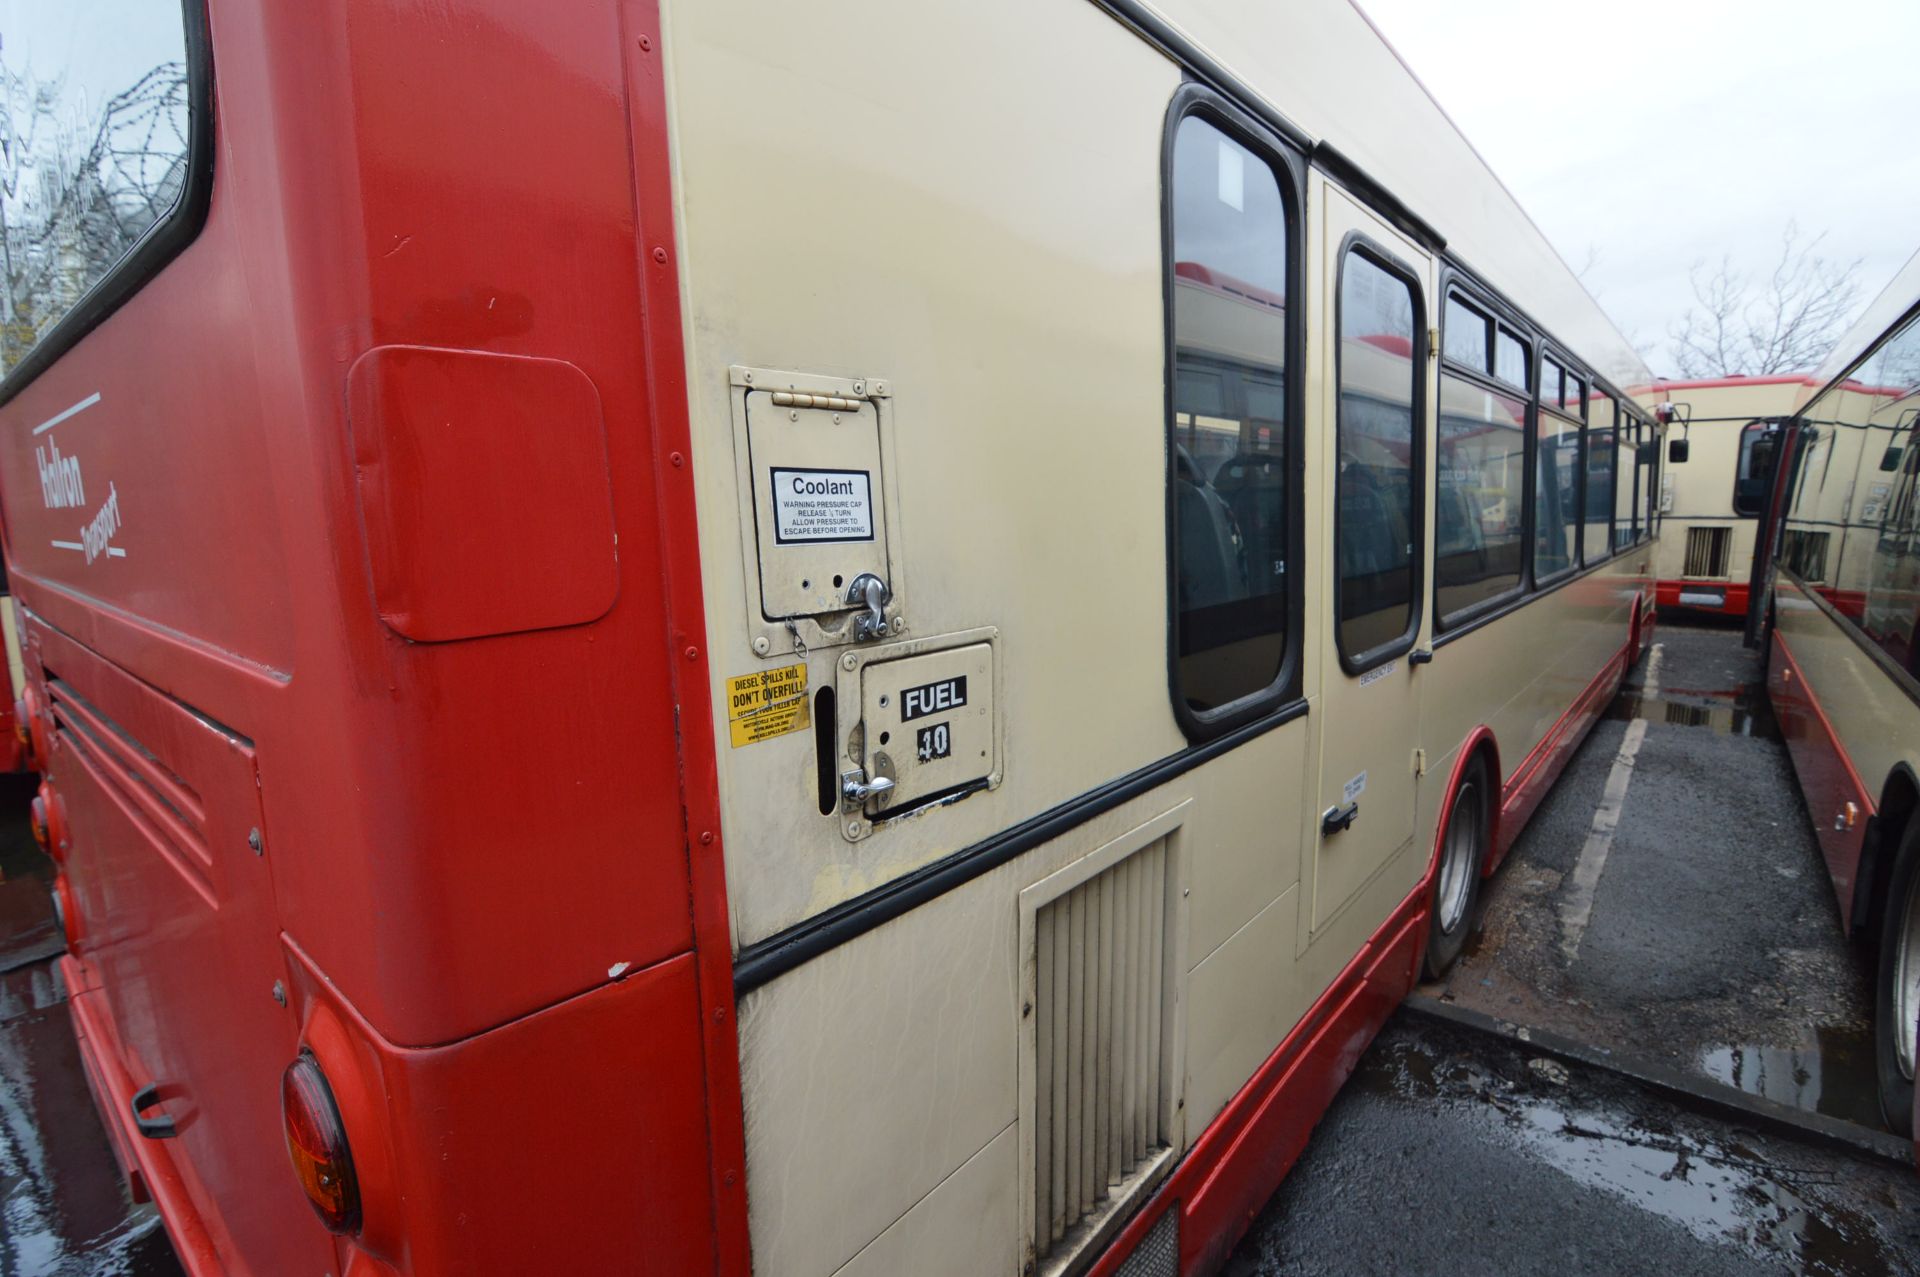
{"x": 1890, "y": 459}
{"x": 1676, "y": 451}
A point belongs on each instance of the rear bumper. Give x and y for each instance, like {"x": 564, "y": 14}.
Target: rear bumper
{"x": 1722, "y": 598}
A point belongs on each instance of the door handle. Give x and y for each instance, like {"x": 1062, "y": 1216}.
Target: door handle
{"x": 154, "y": 1128}
{"x": 1336, "y": 819}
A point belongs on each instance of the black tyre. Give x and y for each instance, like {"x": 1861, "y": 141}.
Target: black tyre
{"x": 1896, "y": 1003}
{"x": 1456, "y": 879}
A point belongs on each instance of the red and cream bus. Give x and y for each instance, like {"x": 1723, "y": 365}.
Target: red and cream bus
{"x": 1844, "y": 666}
{"x": 1711, "y": 502}
{"x": 823, "y": 638}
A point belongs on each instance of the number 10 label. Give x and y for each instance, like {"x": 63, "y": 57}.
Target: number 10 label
{"x": 935, "y": 742}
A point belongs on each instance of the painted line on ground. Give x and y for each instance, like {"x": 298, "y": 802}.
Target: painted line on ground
{"x": 1576, "y": 908}
{"x": 1650, "y": 685}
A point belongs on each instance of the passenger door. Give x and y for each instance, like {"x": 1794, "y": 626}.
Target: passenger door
{"x": 1375, "y": 388}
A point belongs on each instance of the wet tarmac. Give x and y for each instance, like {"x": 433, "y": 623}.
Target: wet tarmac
{"x": 64, "y": 1209}
{"x": 1712, "y": 941}
{"x": 1450, "y": 1151}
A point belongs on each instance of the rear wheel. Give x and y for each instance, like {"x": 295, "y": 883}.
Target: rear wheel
{"x": 1897, "y": 997}
{"x": 1456, "y": 879}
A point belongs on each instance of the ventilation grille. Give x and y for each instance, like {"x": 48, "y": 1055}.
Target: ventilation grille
{"x": 1099, "y": 1072}
{"x": 1707, "y": 552}
{"x": 1805, "y": 554}
{"x": 1158, "y": 1254}
{"x": 157, "y": 797}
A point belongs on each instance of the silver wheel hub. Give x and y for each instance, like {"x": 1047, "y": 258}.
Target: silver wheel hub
{"x": 1460, "y": 858}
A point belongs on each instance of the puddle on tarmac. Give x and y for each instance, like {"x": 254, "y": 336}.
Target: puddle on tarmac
{"x": 1741, "y": 711}
{"x": 1700, "y": 1176}
{"x": 1834, "y": 1075}
{"x": 64, "y": 1210}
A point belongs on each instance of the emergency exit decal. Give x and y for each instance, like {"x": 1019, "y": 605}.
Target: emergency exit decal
{"x": 767, "y": 704}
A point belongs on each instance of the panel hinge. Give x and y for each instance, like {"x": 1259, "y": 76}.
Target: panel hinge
{"x": 1419, "y": 762}
{"x": 1433, "y": 343}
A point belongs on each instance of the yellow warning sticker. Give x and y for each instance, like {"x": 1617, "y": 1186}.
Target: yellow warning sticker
{"x": 769, "y": 723}
{"x": 766, "y": 704}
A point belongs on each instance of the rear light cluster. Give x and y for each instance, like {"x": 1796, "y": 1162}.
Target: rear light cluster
{"x": 317, "y": 1143}
{"x": 23, "y": 732}
{"x": 47, "y": 814}
{"x": 30, "y": 730}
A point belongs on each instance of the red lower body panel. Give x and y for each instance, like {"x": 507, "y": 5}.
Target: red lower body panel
{"x": 573, "y": 1139}
{"x": 1826, "y": 773}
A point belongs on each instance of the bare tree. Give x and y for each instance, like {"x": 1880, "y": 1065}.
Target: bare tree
{"x": 1784, "y": 322}
{"x": 78, "y": 188}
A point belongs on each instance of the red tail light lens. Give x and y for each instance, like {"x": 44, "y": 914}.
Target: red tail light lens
{"x": 317, "y": 1143}
{"x": 28, "y": 725}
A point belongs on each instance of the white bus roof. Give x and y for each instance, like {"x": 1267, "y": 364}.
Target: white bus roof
{"x": 1325, "y": 67}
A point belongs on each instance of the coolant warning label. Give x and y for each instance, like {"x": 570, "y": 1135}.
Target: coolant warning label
{"x": 767, "y": 704}
{"x": 822, "y": 505}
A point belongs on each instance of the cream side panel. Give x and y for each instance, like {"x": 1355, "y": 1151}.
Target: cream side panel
{"x": 1702, "y": 486}
{"x": 866, "y": 194}
{"x": 956, "y": 1230}
{"x": 873, "y": 1074}
{"x": 1519, "y": 674}
{"x": 1877, "y": 724}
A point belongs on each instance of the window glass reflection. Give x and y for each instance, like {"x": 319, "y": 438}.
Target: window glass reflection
{"x": 1556, "y": 515}
{"x": 1464, "y": 335}
{"x": 1596, "y": 536}
{"x": 1229, "y": 417}
{"x": 96, "y": 154}
{"x": 1376, "y": 528}
{"x": 1480, "y": 474}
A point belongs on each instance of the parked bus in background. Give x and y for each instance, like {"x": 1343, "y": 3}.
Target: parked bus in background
{"x": 1841, "y": 612}
{"x": 16, "y": 750}
{"x": 771, "y": 637}
{"x": 1728, "y": 428}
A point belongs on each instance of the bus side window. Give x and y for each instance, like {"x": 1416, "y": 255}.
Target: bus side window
{"x": 1755, "y": 472}
{"x": 1227, "y": 444}
{"x": 1377, "y": 508}
{"x": 1596, "y": 540}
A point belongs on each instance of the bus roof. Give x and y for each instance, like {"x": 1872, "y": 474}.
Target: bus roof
{"x": 1345, "y": 85}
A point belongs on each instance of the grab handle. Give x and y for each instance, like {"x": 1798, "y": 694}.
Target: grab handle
{"x": 1336, "y": 819}
{"x": 154, "y": 1128}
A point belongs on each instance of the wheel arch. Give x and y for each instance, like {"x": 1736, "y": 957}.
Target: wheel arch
{"x": 1480, "y": 743}
{"x": 1899, "y": 799}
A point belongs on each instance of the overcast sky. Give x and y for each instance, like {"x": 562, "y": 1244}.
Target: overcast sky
{"x": 1724, "y": 120}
